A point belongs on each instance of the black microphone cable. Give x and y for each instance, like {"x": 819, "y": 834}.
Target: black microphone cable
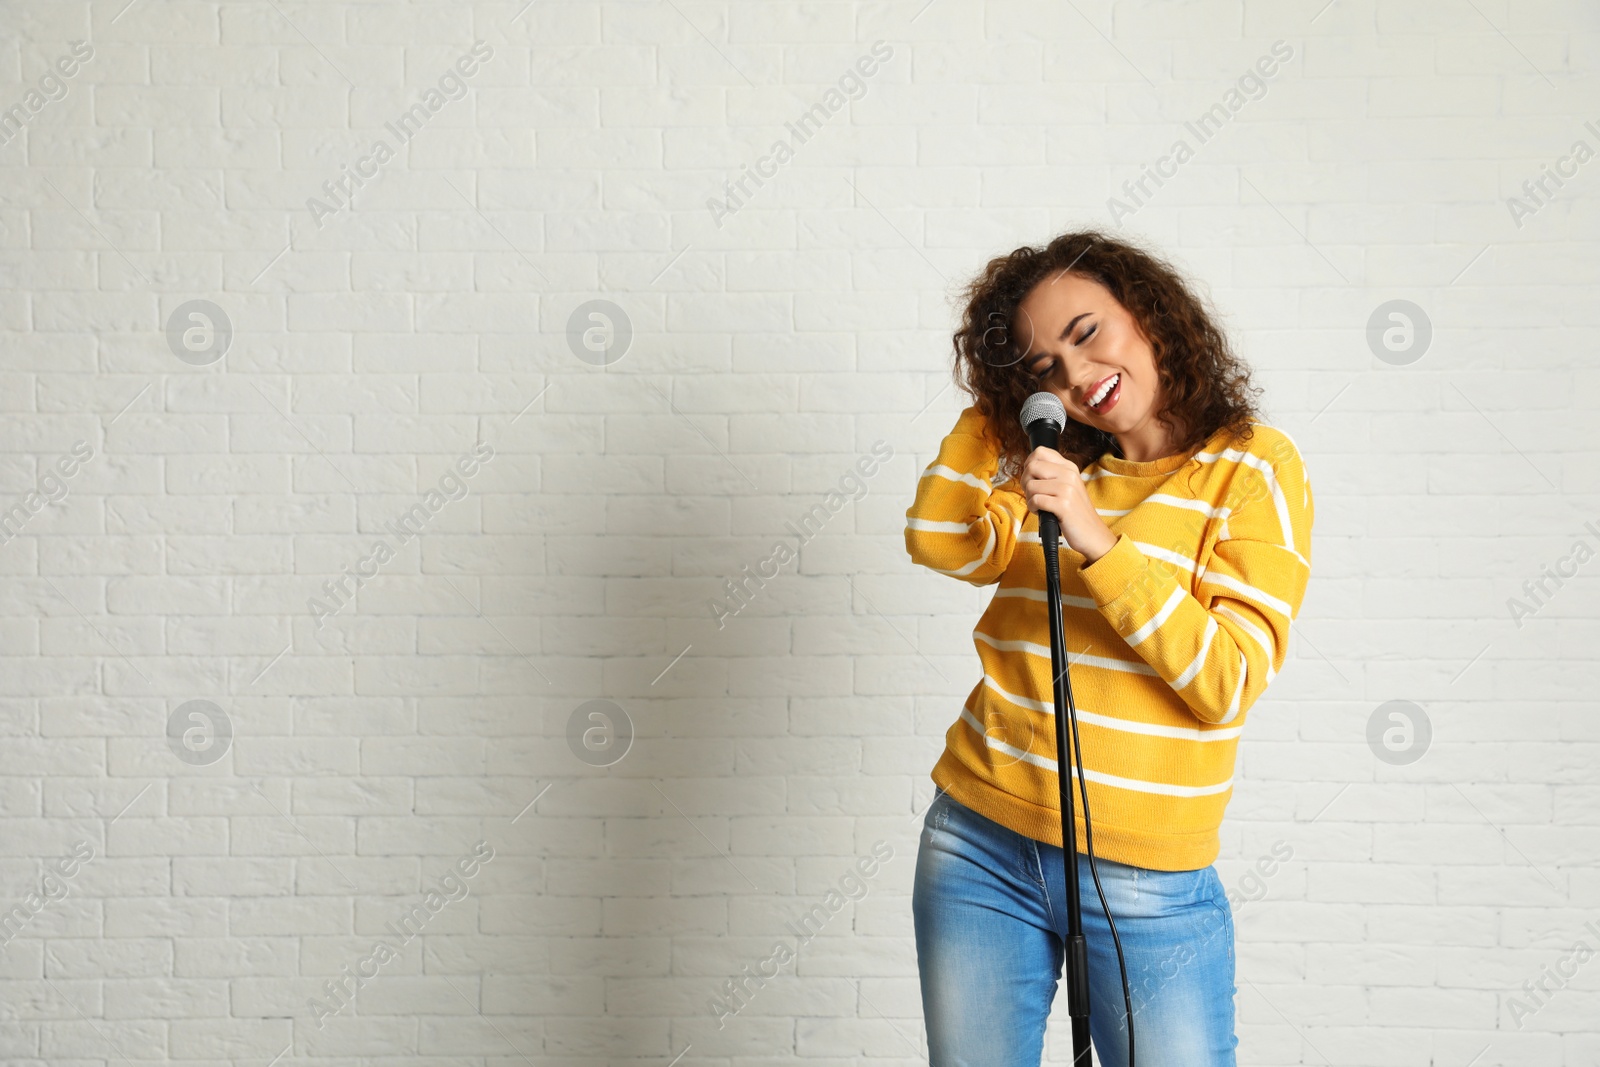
{"x": 1043, "y": 406}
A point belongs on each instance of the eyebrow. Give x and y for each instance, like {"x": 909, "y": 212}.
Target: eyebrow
{"x": 1029, "y": 361}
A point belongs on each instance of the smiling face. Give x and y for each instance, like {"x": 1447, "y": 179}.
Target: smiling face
{"x": 1082, "y": 345}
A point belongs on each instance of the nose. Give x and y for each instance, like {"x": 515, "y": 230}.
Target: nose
{"x": 1082, "y": 380}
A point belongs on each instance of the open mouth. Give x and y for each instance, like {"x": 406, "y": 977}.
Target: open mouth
{"x": 1106, "y": 396}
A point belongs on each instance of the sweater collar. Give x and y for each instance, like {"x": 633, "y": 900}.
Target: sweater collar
{"x": 1127, "y": 468}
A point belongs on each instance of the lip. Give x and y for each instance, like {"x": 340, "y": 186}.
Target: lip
{"x": 1110, "y": 401}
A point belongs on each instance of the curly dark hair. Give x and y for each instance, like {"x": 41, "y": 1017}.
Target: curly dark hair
{"x": 1205, "y": 386}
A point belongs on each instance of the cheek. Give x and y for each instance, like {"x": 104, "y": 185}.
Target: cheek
{"x": 1150, "y": 390}
{"x": 1141, "y": 368}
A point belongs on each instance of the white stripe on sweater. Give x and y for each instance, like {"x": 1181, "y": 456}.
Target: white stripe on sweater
{"x": 936, "y": 526}
{"x": 1157, "y": 552}
{"x": 1270, "y": 475}
{"x": 1025, "y": 593}
{"x": 1138, "y": 636}
{"x": 1109, "y": 722}
{"x": 1043, "y": 651}
{"x": 1261, "y": 637}
{"x": 1265, "y": 599}
{"x": 1172, "y": 501}
{"x": 1188, "y": 504}
{"x": 1233, "y": 708}
{"x": 939, "y": 470}
{"x": 1199, "y": 661}
{"x": 1098, "y": 777}
{"x": 932, "y": 526}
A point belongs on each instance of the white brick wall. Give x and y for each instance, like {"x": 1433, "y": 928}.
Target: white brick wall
{"x": 768, "y": 353}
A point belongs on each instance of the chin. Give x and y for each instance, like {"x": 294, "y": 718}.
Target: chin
{"x": 1127, "y": 414}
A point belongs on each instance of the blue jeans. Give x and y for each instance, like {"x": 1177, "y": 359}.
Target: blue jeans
{"x": 989, "y": 907}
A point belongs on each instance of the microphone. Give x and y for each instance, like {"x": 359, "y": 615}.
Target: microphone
{"x": 1043, "y": 418}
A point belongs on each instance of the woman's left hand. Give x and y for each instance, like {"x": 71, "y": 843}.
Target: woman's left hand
{"x": 1050, "y": 482}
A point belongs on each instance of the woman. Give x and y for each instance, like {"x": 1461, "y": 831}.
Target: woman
{"x": 1186, "y": 544}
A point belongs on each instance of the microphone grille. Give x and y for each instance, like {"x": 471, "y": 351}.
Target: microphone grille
{"x": 1044, "y": 405}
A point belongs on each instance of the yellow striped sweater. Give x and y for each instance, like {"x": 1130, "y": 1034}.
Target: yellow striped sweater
{"x": 1172, "y": 635}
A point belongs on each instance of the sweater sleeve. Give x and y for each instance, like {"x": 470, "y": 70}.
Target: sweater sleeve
{"x": 1220, "y": 649}
{"x": 959, "y": 523}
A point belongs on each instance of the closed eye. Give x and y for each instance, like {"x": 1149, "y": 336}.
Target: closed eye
{"x": 1042, "y": 362}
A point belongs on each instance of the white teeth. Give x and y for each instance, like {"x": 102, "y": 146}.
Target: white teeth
{"x": 1105, "y": 390}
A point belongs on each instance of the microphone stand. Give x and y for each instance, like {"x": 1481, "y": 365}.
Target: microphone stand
{"x": 1044, "y": 417}
{"x": 1076, "y": 949}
